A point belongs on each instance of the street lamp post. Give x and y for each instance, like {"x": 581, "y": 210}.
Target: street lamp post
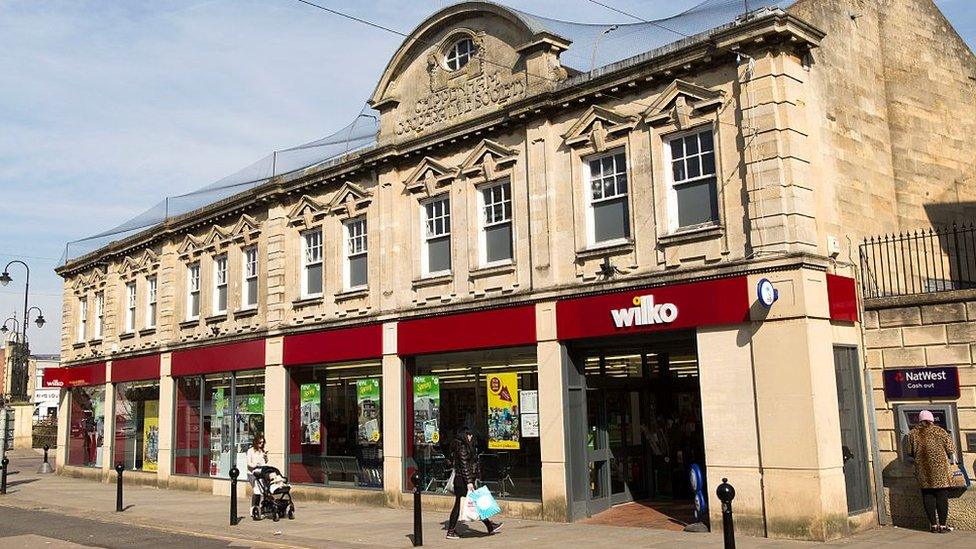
{"x": 18, "y": 377}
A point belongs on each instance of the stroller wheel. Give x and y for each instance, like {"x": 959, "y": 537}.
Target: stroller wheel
{"x": 274, "y": 515}
{"x": 291, "y": 514}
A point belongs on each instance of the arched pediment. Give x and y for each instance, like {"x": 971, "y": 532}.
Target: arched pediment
{"x": 420, "y": 90}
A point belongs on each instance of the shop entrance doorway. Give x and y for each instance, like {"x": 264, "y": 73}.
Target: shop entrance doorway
{"x": 643, "y": 426}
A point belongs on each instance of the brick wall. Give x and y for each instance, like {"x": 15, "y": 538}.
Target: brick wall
{"x": 918, "y": 331}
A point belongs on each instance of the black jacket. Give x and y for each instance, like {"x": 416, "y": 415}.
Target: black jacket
{"x": 465, "y": 462}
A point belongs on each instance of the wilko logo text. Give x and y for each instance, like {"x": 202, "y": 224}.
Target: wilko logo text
{"x": 644, "y": 312}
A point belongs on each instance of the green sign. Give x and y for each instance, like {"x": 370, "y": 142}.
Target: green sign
{"x": 368, "y": 400}
{"x": 310, "y": 392}
{"x": 220, "y": 403}
{"x": 252, "y": 404}
{"x": 426, "y": 409}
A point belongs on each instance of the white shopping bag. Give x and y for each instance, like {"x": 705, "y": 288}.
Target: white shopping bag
{"x": 469, "y": 510}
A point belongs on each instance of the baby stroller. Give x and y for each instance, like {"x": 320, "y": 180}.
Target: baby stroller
{"x": 275, "y": 494}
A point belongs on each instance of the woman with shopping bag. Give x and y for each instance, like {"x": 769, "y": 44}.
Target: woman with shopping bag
{"x": 931, "y": 446}
{"x": 464, "y": 460}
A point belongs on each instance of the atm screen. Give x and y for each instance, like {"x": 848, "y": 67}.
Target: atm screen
{"x": 940, "y": 418}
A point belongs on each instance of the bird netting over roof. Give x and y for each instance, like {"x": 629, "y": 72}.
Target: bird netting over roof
{"x": 593, "y": 46}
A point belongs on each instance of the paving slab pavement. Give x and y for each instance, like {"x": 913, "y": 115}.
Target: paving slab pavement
{"x": 345, "y": 526}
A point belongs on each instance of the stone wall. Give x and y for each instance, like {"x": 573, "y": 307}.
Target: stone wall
{"x": 919, "y": 331}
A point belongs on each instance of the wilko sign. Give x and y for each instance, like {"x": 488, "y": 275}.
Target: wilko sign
{"x": 680, "y": 306}
{"x": 921, "y": 383}
{"x": 75, "y": 376}
{"x": 644, "y": 312}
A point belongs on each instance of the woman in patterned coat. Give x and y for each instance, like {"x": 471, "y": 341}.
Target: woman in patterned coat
{"x": 932, "y": 448}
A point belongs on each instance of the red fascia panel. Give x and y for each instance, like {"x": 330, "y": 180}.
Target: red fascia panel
{"x": 135, "y": 369}
{"x": 75, "y": 376}
{"x": 707, "y": 303}
{"x": 339, "y": 345}
{"x": 488, "y": 329}
{"x": 842, "y": 298}
{"x": 230, "y": 357}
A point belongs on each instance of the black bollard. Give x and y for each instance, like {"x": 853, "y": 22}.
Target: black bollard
{"x": 234, "y": 473}
{"x": 45, "y": 467}
{"x": 418, "y": 527}
{"x": 118, "y": 488}
{"x": 5, "y": 463}
{"x": 726, "y": 493}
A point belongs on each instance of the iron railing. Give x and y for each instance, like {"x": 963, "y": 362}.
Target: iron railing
{"x": 923, "y": 261}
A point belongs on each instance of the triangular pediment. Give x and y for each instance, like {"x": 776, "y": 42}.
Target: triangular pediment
{"x": 94, "y": 278}
{"x": 215, "y": 236}
{"x": 596, "y": 124}
{"x": 189, "y": 245}
{"x": 430, "y": 176}
{"x": 681, "y": 100}
{"x": 306, "y": 211}
{"x": 246, "y": 224}
{"x": 145, "y": 261}
{"x": 350, "y": 200}
{"x": 487, "y": 159}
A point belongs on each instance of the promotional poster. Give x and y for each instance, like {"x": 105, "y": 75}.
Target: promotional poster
{"x": 311, "y": 412}
{"x": 368, "y": 400}
{"x": 503, "y": 411}
{"x": 426, "y": 409}
{"x": 150, "y": 437}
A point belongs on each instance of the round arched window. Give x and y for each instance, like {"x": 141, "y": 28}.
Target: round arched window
{"x": 460, "y": 53}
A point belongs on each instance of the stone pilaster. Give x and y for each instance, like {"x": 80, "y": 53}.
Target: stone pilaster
{"x": 394, "y": 437}
{"x": 552, "y": 419}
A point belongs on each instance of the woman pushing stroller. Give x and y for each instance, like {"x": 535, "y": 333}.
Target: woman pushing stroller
{"x": 256, "y": 458}
{"x": 464, "y": 459}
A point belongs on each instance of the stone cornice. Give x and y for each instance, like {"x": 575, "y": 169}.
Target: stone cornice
{"x": 777, "y": 29}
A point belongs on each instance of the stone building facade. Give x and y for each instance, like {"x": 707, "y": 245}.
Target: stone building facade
{"x": 564, "y": 227}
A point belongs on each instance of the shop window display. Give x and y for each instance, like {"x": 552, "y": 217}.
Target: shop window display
{"x": 336, "y": 425}
{"x": 87, "y": 430}
{"x": 137, "y": 425}
{"x": 218, "y": 416}
{"x": 495, "y": 394}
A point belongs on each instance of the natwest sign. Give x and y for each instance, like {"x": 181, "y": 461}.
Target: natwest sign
{"x": 644, "y": 312}
{"x": 690, "y": 305}
{"x": 921, "y": 383}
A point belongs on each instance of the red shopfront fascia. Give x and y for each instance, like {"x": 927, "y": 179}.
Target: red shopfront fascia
{"x": 706, "y": 303}
{"x": 75, "y": 376}
{"x": 138, "y": 368}
{"x": 338, "y": 345}
{"x": 492, "y": 328}
{"x": 229, "y": 357}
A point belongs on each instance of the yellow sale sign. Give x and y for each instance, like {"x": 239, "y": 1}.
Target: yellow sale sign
{"x": 503, "y": 411}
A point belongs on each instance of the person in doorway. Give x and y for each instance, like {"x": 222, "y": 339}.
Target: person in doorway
{"x": 256, "y": 458}
{"x": 931, "y": 446}
{"x": 464, "y": 460}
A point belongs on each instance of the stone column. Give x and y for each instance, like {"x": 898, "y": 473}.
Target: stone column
{"x": 798, "y": 418}
{"x": 108, "y": 432}
{"x": 167, "y": 419}
{"x": 552, "y": 421}
{"x": 729, "y": 424}
{"x": 275, "y": 404}
{"x": 393, "y": 417}
{"x": 64, "y": 429}
{"x": 23, "y": 424}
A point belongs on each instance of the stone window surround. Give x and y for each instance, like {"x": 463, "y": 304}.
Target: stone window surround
{"x": 136, "y": 270}
{"x": 583, "y": 215}
{"x": 662, "y": 137}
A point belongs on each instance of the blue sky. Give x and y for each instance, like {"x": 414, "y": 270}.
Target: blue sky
{"x": 107, "y": 107}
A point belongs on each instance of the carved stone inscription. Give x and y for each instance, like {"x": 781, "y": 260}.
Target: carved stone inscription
{"x": 459, "y": 99}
